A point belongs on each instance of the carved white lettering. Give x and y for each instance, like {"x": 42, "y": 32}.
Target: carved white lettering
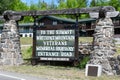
{"x": 66, "y": 54}
{"x": 50, "y": 48}
{"x": 69, "y": 37}
{"x": 51, "y": 43}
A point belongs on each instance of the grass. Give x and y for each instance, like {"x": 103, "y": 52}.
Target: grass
{"x": 118, "y": 49}
{"x": 55, "y": 72}
{"x": 26, "y": 52}
{"x": 26, "y": 40}
{"x": 85, "y": 39}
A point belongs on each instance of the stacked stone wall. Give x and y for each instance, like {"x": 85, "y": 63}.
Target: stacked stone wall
{"x": 104, "y": 47}
{"x": 10, "y": 53}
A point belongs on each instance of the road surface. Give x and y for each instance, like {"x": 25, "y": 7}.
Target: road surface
{"x": 16, "y": 76}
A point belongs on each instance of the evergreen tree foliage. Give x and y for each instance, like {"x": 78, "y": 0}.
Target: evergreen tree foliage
{"x": 4, "y": 5}
{"x": 115, "y": 3}
{"x": 18, "y": 5}
{"x": 99, "y": 3}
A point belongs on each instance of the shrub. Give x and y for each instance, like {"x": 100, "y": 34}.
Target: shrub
{"x": 83, "y": 62}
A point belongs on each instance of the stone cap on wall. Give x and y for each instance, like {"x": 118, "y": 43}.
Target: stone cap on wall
{"x": 108, "y": 14}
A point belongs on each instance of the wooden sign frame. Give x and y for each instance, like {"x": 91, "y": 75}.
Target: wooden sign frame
{"x": 36, "y": 59}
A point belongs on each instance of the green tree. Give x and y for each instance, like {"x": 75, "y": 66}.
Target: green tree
{"x": 62, "y": 4}
{"x": 44, "y": 5}
{"x": 4, "y": 5}
{"x": 18, "y": 5}
{"x": 72, "y": 4}
{"x": 81, "y": 3}
{"x": 115, "y": 3}
{"x": 15, "y": 5}
{"x": 33, "y": 6}
{"x": 41, "y": 5}
{"x": 52, "y": 5}
{"x": 60, "y": 1}
{"x": 99, "y": 3}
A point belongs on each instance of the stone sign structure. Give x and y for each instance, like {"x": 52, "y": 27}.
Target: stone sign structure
{"x": 10, "y": 44}
{"x": 104, "y": 47}
{"x": 10, "y": 53}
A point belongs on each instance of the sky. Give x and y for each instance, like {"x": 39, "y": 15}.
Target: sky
{"x": 89, "y": 1}
{"x": 48, "y": 1}
{"x": 35, "y": 1}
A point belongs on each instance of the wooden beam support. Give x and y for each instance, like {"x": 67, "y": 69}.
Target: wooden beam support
{"x": 67, "y": 11}
{"x": 13, "y": 15}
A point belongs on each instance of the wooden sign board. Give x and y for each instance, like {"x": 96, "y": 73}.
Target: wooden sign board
{"x": 93, "y": 70}
{"x": 54, "y": 44}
